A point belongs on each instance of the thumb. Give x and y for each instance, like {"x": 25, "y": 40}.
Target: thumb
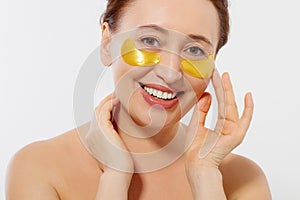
{"x": 203, "y": 106}
{"x": 196, "y": 129}
{"x": 200, "y": 111}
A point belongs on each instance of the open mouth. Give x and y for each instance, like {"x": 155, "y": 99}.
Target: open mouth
{"x": 160, "y": 92}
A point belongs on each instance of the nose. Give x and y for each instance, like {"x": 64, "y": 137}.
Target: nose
{"x": 169, "y": 69}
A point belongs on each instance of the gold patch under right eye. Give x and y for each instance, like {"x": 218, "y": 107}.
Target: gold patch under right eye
{"x": 135, "y": 57}
{"x": 199, "y": 69}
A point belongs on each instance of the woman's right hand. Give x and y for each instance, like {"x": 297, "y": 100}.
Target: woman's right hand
{"x": 104, "y": 144}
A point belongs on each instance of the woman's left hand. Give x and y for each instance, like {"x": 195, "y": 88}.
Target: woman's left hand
{"x": 214, "y": 145}
{"x": 210, "y": 147}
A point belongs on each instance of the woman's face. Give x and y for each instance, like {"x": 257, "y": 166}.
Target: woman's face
{"x": 180, "y": 18}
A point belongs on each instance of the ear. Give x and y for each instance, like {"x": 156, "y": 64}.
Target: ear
{"x": 105, "y": 47}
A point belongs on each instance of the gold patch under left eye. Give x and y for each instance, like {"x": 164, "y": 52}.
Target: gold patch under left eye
{"x": 199, "y": 69}
{"x": 136, "y": 57}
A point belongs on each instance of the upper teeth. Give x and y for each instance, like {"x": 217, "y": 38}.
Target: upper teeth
{"x": 159, "y": 94}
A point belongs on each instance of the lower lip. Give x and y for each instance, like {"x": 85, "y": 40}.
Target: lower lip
{"x": 151, "y": 100}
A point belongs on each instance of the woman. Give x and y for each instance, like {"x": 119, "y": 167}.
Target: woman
{"x": 162, "y": 58}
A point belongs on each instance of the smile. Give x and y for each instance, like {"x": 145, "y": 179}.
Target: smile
{"x": 157, "y": 94}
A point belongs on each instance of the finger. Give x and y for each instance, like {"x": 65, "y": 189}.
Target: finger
{"x": 200, "y": 111}
{"x": 103, "y": 101}
{"x": 246, "y": 118}
{"x": 196, "y": 128}
{"x": 231, "y": 112}
{"x": 219, "y": 91}
{"x": 203, "y": 106}
{"x": 104, "y": 141}
{"x": 195, "y": 118}
{"x": 105, "y": 123}
{"x": 105, "y": 112}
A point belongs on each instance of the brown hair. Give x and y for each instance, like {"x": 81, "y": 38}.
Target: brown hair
{"x": 115, "y": 8}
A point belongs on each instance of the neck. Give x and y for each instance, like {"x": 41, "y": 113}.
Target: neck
{"x": 151, "y": 148}
{"x": 143, "y": 139}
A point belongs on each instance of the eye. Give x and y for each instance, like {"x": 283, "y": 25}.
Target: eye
{"x": 150, "y": 41}
{"x": 195, "y": 51}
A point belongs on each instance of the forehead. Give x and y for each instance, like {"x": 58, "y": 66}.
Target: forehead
{"x": 198, "y": 17}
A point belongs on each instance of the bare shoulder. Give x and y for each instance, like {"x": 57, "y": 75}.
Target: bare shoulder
{"x": 26, "y": 177}
{"x": 41, "y": 170}
{"x": 244, "y": 179}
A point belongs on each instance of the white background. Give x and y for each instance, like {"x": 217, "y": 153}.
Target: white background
{"x": 44, "y": 43}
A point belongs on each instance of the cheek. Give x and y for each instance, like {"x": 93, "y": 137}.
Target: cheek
{"x": 126, "y": 78}
{"x": 119, "y": 69}
{"x": 122, "y": 81}
{"x": 123, "y": 72}
{"x": 199, "y": 86}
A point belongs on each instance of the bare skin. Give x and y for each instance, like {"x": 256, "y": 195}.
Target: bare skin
{"x": 61, "y": 168}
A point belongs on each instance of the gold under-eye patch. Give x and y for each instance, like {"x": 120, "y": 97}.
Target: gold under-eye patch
{"x": 199, "y": 68}
{"x": 136, "y": 57}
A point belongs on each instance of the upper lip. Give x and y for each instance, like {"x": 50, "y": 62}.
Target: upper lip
{"x": 161, "y": 88}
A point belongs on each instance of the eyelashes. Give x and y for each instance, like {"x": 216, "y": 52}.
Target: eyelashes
{"x": 192, "y": 51}
{"x": 195, "y": 51}
{"x": 151, "y": 42}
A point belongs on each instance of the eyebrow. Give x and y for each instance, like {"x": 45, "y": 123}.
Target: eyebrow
{"x": 155, "y": 27}
{"x": 200, "y": 37}
{"x": 193, "y": 36}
